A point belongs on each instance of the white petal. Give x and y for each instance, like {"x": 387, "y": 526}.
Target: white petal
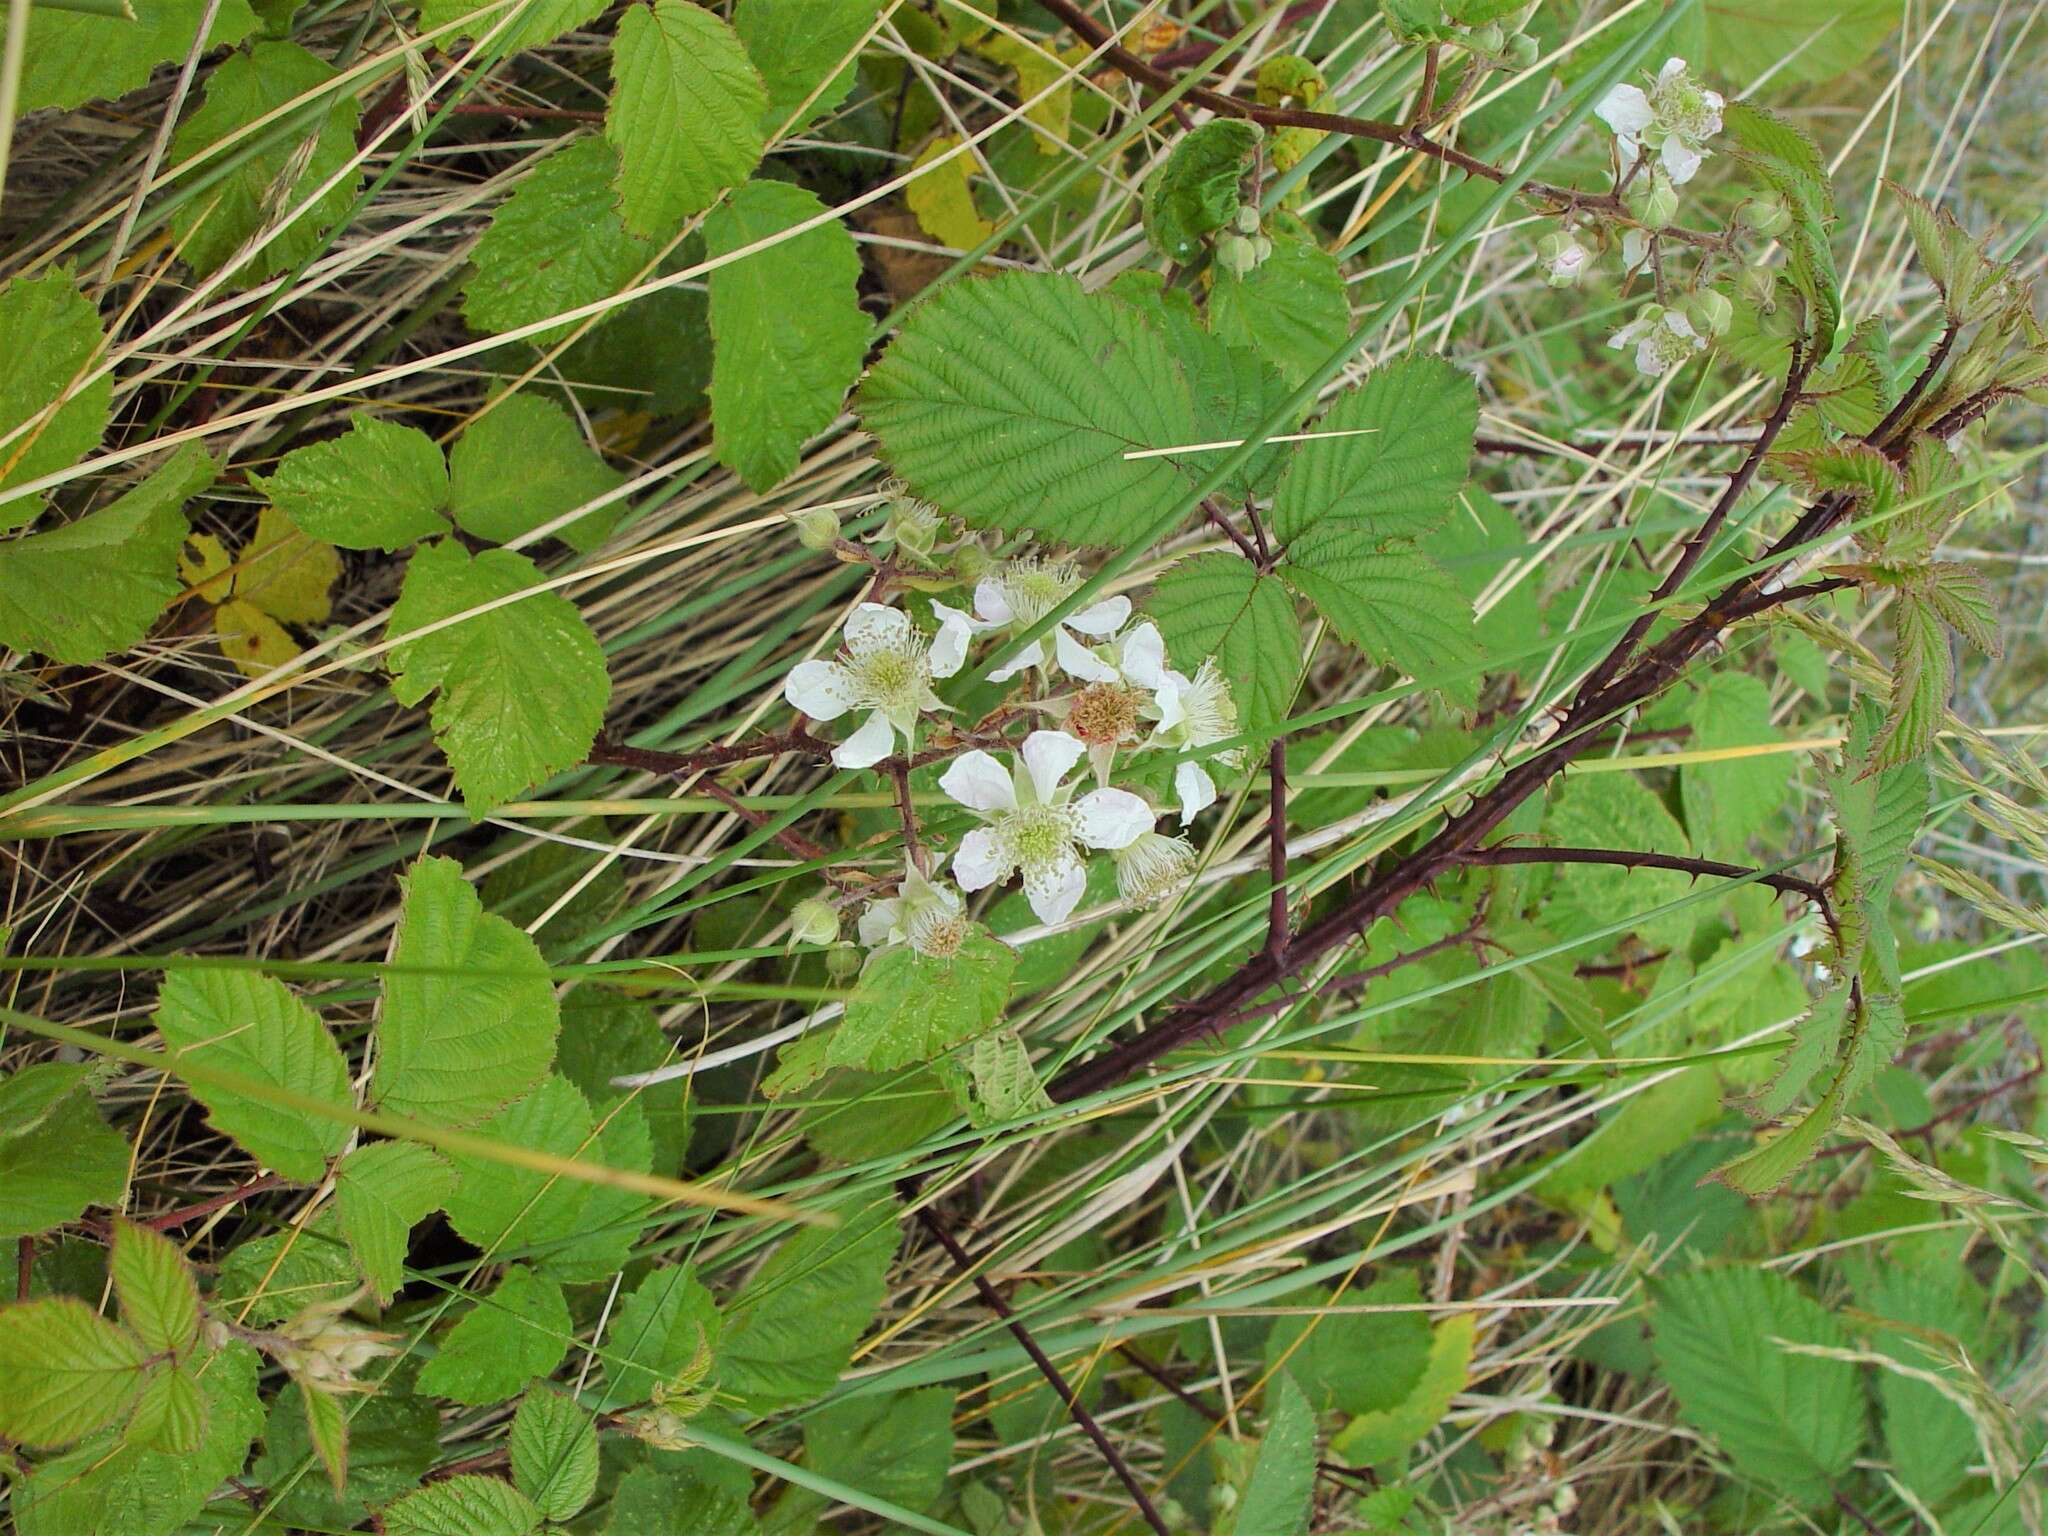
{"x": 1144, "y": 655}
{"x": 949, "y": 645}
{"x": 1055, "y": 889}
{"x": 1113, "y": 818}
{"x": 1171, "y": 700}
{"x": 1196, "y": 789}
{"x": 979, "y": 861}
{"x": 1648, "y": 364}
{"x": 979, "y": 782}
{"x": 991, "y": 602}
{"x": 1047, "y": 756}
{"x": 868, "y": 745}
{"x": 1672, "y": 69}
{"x": 1102, "y": 619}
{"x": 821, "y": 689}
{"x": 1626, "y": 147}
{"x": 878, "y": 924}
{"x": 1032, "y": 655}
{"x": 871, "y": 626}
{"x": 1635, "y": 246}
{"x": 1680, "y": 160}
{"x": 1626, "y": 110}
{"x": 1078, "y": 661}
{"x": 1679, "y": 325}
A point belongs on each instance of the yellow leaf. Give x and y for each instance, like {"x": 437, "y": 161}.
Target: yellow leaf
{"x": 202, "y": 566}
{"x": 287, "y": 573}
{"x": 943, "y": 200}
{"x": 1037, "y": 69}
{"x": 251, "y": 638}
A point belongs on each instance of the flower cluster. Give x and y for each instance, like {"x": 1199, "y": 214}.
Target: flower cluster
{"x": 1673, "y": 119}
{"x": 1104, "y": 685}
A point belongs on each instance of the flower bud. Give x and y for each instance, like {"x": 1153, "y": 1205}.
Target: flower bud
{"x": 843, "y": 962}
{"x": 971, "y": 562}
{"x": 1236, "y": 255}
{"x": 1489, "y": 39}
{"x": 1766, "y": 216}
{"x": 813, "y": 921}
{"x": 1523, "y": 50}
{"x": 817, "y": 528}
{"x": 1710, "y": 312}
{"x": 913, "y": 526}
{"x": 1657, "y": 206}
{"x": 1564, "y": 260}
{"x": 1247, "y": 219}
{"x": 1261, "y": 249}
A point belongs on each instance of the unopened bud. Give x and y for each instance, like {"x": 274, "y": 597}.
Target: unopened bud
{"x": 1489, "y": 39}
{"x": 813, "y": 921}
{"x": 1523, "y": 50}
{"x": 1236, "y": 255}
{"x": 1564, "y": 260}
{"x": 1657, "y": 206}
{"x": 971, "y": 561}
{"x": 1710, "y": 312}
{"x": 913, "y": 526}
{"x": 1261, "y": 249}
{"x": 1247, "y": 219}
{"x": 817, "y": 528}
{"x": 1766, "y": 216}
{"x": 843, "y": 962}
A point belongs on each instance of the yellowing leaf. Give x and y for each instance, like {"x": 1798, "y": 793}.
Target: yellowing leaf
{"x": 943, "y": 200}
{"x": 1036, "y": 71}
{"x": 287, "y": 573}
{"x": 203, "y": 566}
{"x": 251, "y": 638}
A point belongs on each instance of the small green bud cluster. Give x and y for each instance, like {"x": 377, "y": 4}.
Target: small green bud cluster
{"x": 1241, "y": 248}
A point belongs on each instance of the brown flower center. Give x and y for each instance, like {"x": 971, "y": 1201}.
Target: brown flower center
{"x": 1104, "y": 715}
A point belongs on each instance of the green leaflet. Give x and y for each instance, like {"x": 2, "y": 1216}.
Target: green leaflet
{"x": 462, "y": 1506}
{"x": 381, "y": 1192}
{"x": 255, "y": 193}
{"x": 95, "y": 586}
{"x": 1197, "y": 191}
{"x": 791, "y": 1329}
{"x": 1799, "y": 41}
{"x": 893, "y": 1445}
{"x": 804, "y": 50}
{"x": 1290, "y": 308}
{"x": 1392, "y": 602}
{"x": 269, "y": 1279}
{"x": 1281, "y": 1488}
{"x": 456, "y": 1045}
{"x": 553, "y": 1446}
{"x": 992, "y": 1079}
{"x": 520, "y": 1331}
{"x": 57, "y": 1156}
{"x": 684, "y": 116}
{"x": 542, "y": 22}
{"x": 1011, "y": 401}
{"x": 606, "y": 1035}
{"x": 170, "y": 1415}
{"x": 1792, "y": 1422}
{"x": 1613, "y": 810}
{"x": 1787, "y": 162}
{"x": 65, "y": 1371}
{"x": 574, "y": 1230}
{"x": 1728, "y": 803}
{"x": 779, "y": 370}
{"x": 1219, "y": 606}
{"x": 663, "y": 1335}
{"x": 254, "y": 1026}
{"x": 521, "y": 685}
{"x": 525, "y": 462}
{"x": 391, "y": 1443}
{"x": 53, "y": 336}
{"x": 378, "y": 486}
{"x": 910, "y": 1007}
{"x": 73, "y": 58}
{"x": 1384, "y": 1434}
{"x": 555, "y": 244}
{"x": 159, "y": 1300}
{"x": 1356, "y": 1362}
{"x": 1398, "y": 476}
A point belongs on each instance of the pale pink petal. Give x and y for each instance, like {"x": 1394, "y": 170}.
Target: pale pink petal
{"x": 868, "y": 745}
{"x": 1101, "y": 619}
{"x": 991, "y": 603}
{"x": 979, "y": 861}
{"x": 1113, "y": 818}
{"x": 1144, "y": 655}
{"x": 979, "y": 782}
{"x": 821, "y": 689}
{"x": 1078, "y": 661}
{"x": 1031, "y": 656}
{"x": 1047, "y": 756}
{"x": 1196, "y": 789}
{"x": 1055, "y": 889}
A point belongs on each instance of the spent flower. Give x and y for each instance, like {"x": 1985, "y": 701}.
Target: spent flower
{"x": 1033, "y": 828}
{"x": 1152, "y": 868}
{"x": 1193, "y": 712}
{"x": 887, "y": 669}
{"x": 1674, "y": 118}
{"x": 929, "y": 917}
{"x": 1018, "y": 593}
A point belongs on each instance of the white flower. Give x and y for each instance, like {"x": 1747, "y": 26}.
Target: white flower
{"x": 887, "y": 670}
{"x": 1675, "y": 117}
{"x": 1137, "y": 657}
{"x": 1635, "y": 249}
{"x": 1663, "y": 339}
{"x": 1153, "y": 868}
{"x": 1193, "y": 712}
{"x": 1018, "y": 593}
{"x": 1033, "y": 828}
{"x": 929, "y": 917}
{"x": 1564, "y": 260}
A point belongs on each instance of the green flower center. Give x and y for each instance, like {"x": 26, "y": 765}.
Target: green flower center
{"x": 1035, "y": 590}
{"x": 1683, "y": 108}
{"x": 890, "y": 676}
{"x": 1037, "y": 835}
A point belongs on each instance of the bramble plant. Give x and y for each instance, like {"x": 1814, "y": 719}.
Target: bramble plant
{"x": 1005, "y": 766}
